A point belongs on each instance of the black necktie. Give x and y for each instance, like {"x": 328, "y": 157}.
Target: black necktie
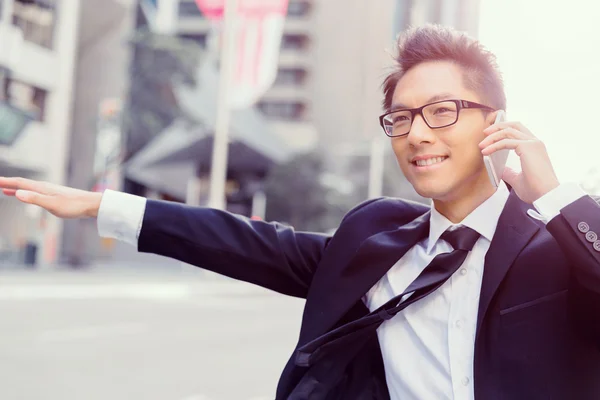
{"x": 349, "y": 338}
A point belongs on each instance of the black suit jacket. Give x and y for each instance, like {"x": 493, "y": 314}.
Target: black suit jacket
{"x": 538, "y": 326}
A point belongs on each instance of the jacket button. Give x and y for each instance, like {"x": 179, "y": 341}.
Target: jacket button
{"x": 597, "y": 245}
{"x": 591, "y": 236}
{"x": 583, "y": 227}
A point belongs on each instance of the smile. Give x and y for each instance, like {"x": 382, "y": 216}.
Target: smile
{"x": 429, "y": 161}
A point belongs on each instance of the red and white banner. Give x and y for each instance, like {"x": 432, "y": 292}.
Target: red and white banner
{"x": 212, "y": 9}
{"x": 258, "y": 28}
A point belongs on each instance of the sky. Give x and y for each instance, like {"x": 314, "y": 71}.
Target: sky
{"x": 549, "y": 54}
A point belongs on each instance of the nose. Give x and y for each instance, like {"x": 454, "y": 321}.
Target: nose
{"x": 419, "y": 132}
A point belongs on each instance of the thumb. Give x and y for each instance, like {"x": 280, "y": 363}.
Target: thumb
{"x": 510, "y": 176}
{"x": 29, "y": 197}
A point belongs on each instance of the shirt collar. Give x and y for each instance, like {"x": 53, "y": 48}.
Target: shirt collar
{"x": 483, "y": 219}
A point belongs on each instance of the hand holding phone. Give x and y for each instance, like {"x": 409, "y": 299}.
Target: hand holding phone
{"x": 496, "y": 162}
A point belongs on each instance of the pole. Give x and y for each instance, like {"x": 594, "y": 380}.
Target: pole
{"x": 259, "y": 204}
{"x": 218, "y": 171}
{"x": 7, "y": 12}
{"x": 376, "y": 168}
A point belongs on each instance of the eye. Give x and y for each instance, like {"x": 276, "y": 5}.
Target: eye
{"x": 442, "y": 110}
{"x": 400, "y": 118}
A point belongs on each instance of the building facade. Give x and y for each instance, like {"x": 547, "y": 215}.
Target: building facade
{"x": 65, "y": 62}
{"x": 100, "y": 88}
{"x": 39, "y": 43}
{"x": 287, "y": 105}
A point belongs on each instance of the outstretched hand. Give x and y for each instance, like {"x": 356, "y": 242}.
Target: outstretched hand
{"x": 61, "y": 201}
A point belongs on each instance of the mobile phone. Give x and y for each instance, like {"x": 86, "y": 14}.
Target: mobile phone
{"x": 495, "y": 162}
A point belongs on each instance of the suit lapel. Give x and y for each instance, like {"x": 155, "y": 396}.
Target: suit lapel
{"x": 515, "y": 229}
{"x": 341, "y": 289}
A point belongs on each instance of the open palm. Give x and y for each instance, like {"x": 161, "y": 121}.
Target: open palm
{"x": 61, "y": 201}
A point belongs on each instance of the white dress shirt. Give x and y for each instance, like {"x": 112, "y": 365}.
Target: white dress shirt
{"x": 428, "y": 348}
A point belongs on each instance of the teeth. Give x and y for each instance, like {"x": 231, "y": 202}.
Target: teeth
{"x": 430, "y": 161}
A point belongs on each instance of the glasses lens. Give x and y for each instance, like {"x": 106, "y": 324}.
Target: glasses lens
{"x": 441, "y": 114}
{"x": 397, "y": 123}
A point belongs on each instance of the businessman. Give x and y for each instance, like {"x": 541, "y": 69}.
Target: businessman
{"x": 490, "y": 293}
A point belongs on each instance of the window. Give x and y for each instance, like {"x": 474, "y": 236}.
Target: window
{"x": 189, "y": 9}
{"x": 200, "y": 39}
{"x": 26, "y": 97}
{"x": 282, "y": 110}
{"x": 294, "y": 42}
{"x": 12, "y": 123}
{"x": 290, "y": 76}
{"x": 36, "y": 19}
{"x": 298, "y": 8}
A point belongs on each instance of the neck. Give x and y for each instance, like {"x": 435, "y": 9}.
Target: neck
{"x": 465, "y": 201}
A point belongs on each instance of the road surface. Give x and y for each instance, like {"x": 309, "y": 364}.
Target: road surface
{"x": 136, "y": 334}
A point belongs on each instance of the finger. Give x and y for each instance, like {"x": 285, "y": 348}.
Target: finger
{"x": 9, "y": 192}
{"x": 508, "y": 133}
{"x": 507, "y": 124}
{"x": 524, "y": 129}
{"x": 25, "y": 196}
{"x": 49, "y": 203}
{"x": 21, "y": 183}
{"x": 497, "y": 127}
{"x": 511, "y": 177}
{"x": 9, "y": 183}
{"x": 511, "y": 144}
{"x": 29, "y": 197}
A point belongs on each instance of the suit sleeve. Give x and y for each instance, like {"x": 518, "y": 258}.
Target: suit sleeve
{"x": 577, "y": 230}
{"x": 270, "y": 255}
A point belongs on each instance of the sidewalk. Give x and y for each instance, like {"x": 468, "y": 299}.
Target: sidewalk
{"x": 120, "y": 280}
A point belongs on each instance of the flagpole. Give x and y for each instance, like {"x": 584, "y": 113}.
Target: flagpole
{"x": 218, "y": 171}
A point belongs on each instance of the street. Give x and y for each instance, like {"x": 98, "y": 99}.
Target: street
{"x": 156, "y": 334}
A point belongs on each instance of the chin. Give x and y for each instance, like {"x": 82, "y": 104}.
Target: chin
{"x": 431, "y": 190}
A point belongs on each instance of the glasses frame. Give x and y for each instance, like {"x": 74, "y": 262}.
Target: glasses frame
{"x": 460, "y": 104}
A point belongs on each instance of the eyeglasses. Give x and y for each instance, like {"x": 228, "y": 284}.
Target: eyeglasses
{"x": 436, "y": 115}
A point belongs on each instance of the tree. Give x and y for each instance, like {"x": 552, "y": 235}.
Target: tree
{"x": 158, "y": 62}
{"x": 305, "y": 195}
{"x": 295, "y": 194}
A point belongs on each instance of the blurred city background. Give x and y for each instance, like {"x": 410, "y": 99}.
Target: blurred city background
{"x": 124, "y": 95}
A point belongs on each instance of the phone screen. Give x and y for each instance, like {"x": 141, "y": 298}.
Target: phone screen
{"x": 495, "y": 163}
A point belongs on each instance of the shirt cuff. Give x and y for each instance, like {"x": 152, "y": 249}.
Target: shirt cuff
{"x": 120, "y": 216}
{"x": 550, "y": 204}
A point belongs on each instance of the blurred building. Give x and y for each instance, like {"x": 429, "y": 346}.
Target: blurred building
{"x": 38, "y": 43}
{"x": 288, "y": 105}
{"x": 353, "y": 44}
{"x": 334, "y": 57}
{"x": 172, "y": 158}
{"x": 100, "y": 86}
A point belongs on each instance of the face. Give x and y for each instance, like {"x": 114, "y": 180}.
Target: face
{"x": 455, "y": 164}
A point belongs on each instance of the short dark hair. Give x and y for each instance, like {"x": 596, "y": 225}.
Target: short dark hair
{"x": 439, "y": 43}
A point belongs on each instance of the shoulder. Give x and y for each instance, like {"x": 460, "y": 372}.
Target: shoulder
{"x": 385, "y": 209}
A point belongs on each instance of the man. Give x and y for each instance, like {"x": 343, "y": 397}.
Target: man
{"x": 488, "y": 294}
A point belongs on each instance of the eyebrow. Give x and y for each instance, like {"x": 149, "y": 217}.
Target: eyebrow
{"x": 433, "y": 99}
